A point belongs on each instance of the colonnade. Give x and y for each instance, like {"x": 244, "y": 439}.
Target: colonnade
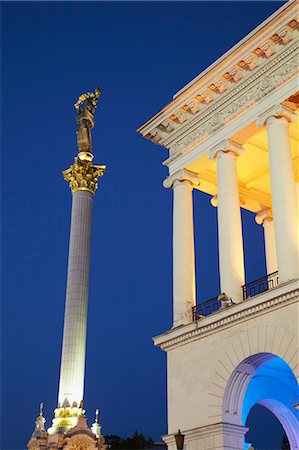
{"x": 281, "y": 230}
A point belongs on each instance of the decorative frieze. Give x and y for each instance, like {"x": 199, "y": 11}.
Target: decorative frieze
{"x": 250, "y": 91}
{"x": 239, "y": 86}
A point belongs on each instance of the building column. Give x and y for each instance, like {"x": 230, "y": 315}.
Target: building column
{"x": 231, "y": 257}
{"x": 264, "y": 217}
{"x": 283, "y": 189}
{"x": 182, "y": 183}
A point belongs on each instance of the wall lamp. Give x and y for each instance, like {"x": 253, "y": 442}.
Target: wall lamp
{"x": 179, "y": 440}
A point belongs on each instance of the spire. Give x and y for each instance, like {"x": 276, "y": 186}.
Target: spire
{"x": 96, "y": 427}
{"x": 39, "y": 430}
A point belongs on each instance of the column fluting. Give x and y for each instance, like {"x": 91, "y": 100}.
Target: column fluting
{"x": 75, "y": 319}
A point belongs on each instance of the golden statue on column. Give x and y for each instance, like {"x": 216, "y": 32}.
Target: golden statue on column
{"x": 85, "y": 107}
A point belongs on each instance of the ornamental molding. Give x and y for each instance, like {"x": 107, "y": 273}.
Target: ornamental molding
{"x": 194, "y": 116}
{"x": 83, "y": 175}
{"x": 80, "y": 445}
{"x": 231, "y": 316}
{"x": 180, "y": 176}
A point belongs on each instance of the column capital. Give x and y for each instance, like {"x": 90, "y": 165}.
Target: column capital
{"x": 83, "y": 175}
{"x": 263, "y": 215}
{"x": 276, "y": 111}
{"x": 214, "y": 200}
{"x": 226, "y": 146}
{"x": 182, "y": 175}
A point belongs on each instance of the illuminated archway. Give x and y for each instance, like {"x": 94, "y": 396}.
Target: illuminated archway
{"x": 267, "y": 380}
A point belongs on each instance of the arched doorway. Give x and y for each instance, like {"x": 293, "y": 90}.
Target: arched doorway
{"x": 267, "y": 380}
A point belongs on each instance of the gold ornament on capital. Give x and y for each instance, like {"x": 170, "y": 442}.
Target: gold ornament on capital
{"x": 83, "y": 175}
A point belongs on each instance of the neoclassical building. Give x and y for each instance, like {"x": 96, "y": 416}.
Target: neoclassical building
{"x": 232, "y": 133}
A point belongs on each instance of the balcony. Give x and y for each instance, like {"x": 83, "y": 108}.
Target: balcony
{"x": 250, "y": 290}
{"x": 260, "y": 285}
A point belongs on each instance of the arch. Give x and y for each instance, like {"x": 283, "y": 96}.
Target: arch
{"x": 252, "y": 376}
{"x": 267, "y": 341}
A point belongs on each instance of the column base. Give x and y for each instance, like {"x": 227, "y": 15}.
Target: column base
{"x": 65, "y": 419}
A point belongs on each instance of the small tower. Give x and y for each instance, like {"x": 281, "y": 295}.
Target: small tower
{"x": 83, "y": 178}
{"x": 38, "y": 440}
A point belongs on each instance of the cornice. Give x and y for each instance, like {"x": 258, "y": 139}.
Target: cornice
{"x": 171, "y": 128}
{"x": 250, "y": 42}
{"x": 242, "y": 97}
{"x": 269, "y": 300}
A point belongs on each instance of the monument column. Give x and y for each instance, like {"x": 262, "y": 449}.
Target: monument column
{"x": 82, "y": 177}
{"x": 231, "y": 258}
{"x": 75, "y": 318}
{"x": 283, "y": 189}
{"x": 264, "y": 217}
{"x": 182, "y": 183}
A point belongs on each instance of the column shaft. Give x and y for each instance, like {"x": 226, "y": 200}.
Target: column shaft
{"x": 284, "y": 199}
{"x": 74, "y": 333}
{"x": 231, "y": 259}
{"x": 270, "y": 246}
{"x": 183, "y": 253}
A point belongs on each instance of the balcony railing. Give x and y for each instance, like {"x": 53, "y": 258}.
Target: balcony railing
{"x": 260, "y": 285}
{"x": 205, "y": 308}
{"x": 249, "y": 290}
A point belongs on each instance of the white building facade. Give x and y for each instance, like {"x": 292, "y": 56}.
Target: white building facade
{"x": 232, "y": 133}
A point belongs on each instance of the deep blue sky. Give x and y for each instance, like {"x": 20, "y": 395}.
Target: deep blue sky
{"x": 139, "y": 54}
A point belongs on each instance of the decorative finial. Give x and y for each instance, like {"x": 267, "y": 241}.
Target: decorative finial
{"x": 85, "y": 106}
{"x": 96, "y": 427}
{"x": 39, "y": 430}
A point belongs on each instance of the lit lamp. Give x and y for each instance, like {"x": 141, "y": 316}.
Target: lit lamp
{"x": 179, "y": 440}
